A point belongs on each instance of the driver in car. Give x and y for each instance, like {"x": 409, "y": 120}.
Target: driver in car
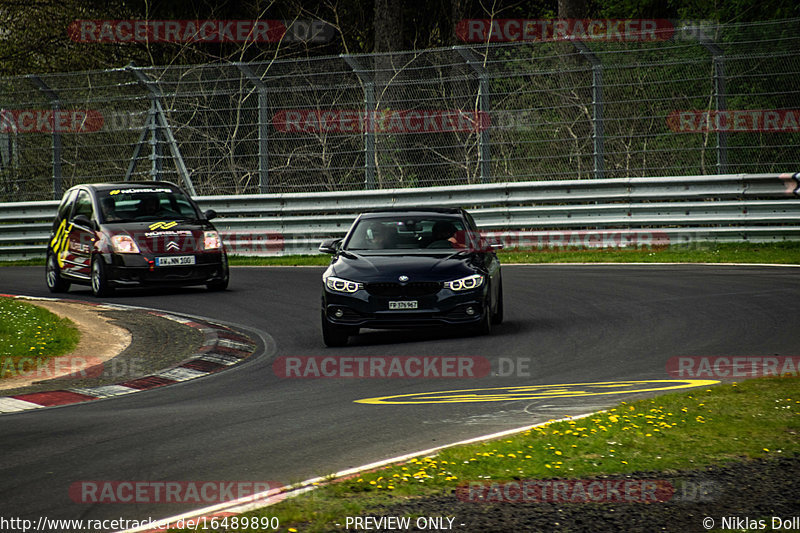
{"x": 382, "y": 238}
{"x": 444, "y": 235}
{"x": 149, "y": 206}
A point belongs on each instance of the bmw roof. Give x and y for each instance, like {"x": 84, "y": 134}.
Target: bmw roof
{"x": 412, "y": 210}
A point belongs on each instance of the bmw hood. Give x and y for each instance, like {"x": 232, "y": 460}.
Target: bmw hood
{"x": 389, "y": 267}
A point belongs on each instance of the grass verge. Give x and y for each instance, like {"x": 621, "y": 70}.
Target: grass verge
{"x": 688, "y": 430}
{"x": 777, "y": 253}
{"x": 30, "y": 333}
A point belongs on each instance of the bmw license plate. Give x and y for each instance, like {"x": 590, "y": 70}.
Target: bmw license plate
{"x": 405, "y": 304}
{"x": 175, "y": 260}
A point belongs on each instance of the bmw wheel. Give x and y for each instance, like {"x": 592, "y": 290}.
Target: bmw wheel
{"x": 497, "y": 316}
{"x": 333, "y": 335}
{"x": 100, "y": 285}
{"x": 55, "y": 283}
{"x": 485, "y": 326}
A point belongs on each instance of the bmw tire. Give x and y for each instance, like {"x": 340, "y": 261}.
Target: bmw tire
{"x": 333, "y": 335}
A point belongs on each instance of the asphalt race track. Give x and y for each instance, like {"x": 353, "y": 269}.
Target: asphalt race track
{"x": 571, "y": 324}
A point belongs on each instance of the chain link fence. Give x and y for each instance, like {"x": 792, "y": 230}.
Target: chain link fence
{"x": 703, "y": 99}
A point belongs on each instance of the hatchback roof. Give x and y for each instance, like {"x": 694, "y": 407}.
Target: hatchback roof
{"x": 129, "y": 185}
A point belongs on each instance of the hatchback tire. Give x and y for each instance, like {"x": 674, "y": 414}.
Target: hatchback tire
{"x": 55, "y": 283}
{"x": 100, "y": 285}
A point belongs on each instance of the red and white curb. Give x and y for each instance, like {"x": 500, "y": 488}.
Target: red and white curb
{"x": 201, "y": 517}
{"x": 222, "y": 347}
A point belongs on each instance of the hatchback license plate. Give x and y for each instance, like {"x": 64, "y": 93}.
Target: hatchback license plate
{"x": 175, "y": 260}
{"x": 406, "y": 304}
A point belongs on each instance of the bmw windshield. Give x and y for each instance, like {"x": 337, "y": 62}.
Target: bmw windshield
{"x": 418, "y": 234}
{"x": 141, "y": 205}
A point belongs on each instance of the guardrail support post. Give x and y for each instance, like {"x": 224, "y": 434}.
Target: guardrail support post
{"x": 598, "y": 128}
{"x": 483, "y": 110}
{"x": 263, "y": 126}
{"x": 369, "y": 119}
{"x": 55, "y": 103}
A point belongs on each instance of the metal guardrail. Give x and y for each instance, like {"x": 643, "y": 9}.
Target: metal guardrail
{"x": 609, "y": 212}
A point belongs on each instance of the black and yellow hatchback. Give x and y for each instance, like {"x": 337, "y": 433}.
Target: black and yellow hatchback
{"x": 133, "y": 234}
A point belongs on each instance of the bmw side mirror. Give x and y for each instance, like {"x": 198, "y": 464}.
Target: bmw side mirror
{"x": 330, "y": 246}
{"x": 210, "y": 214}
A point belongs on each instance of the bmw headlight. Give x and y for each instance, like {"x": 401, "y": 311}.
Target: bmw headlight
{"x": 465, "y": 284}
{"x": 342, "y": 285}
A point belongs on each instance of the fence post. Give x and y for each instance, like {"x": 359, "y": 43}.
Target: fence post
{"x": 156, "y": 165}
{"x": 149, "y": 126}
{"x": 720, "y": 99}
{"x": 160, "y": 121}
{"x": 369, "y": 118}
{"x": 263, "y": 127}
{"x": 598, "y": 129}
{"x": 55, "y": 104}
{"x": 484, "y": 145}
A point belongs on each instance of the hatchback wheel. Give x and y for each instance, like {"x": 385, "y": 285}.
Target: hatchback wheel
{"x": 55, "y": 283}
{"x": 100, "y": 285}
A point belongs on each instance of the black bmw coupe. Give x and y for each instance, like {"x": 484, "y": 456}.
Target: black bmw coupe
{"x": 410, "y": 268}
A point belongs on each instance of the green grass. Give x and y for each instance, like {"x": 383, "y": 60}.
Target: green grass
{"x": 287, "y": 260}
{"x": 28, "y": 332}
{"x": 24, "y": 262}
{"x": 688, "y": 430}
{"x": 777, "y": 253}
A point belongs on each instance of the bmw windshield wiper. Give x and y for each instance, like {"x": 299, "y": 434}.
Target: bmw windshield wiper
{"x": 464, "y": 251}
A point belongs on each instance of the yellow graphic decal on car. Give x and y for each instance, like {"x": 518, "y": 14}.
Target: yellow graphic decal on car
{"x": 162, "y": 225}
{"x": 59, "y": 242}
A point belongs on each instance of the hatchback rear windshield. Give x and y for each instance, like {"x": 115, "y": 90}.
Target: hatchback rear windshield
{"x": 157, "y": 203}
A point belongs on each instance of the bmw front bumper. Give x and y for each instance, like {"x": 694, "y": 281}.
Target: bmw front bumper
{"x": 364, "y": 310}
